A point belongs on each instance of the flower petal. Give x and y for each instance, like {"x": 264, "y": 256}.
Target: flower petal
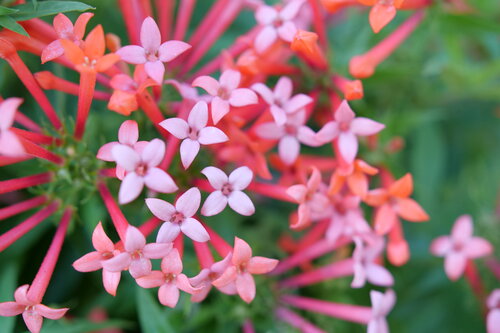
{"x": 156, "y": 250}
{"x": 241, "y": 253}
{"x": 177, "y": 127}
{"x": 8, "y": 110}
{"x": 440, "y": 246}
{"x": 189, "y": 202}
{"x": 240, "y": 178}
{"x": 139, "y": 267}
{"x": 410, "y": 210}
{"x": 171, "y": 49}
{"x": 454, "y": 265}
{"x": 128, "y": 134}
{"x": 348, "y": 146}
{"x": 344, "y": 113}
{"x": 198, "y": 116}
{"x": 288, "y": 149}
{"x": 241, "y": 203}
{"x": 283, "y": 89}
{"x": 220, "y": 108}
{"x": 216, "y": 177}
{"x": 153, "y": 152}
{"x": 189, "y": 149}
{"x": 297, "y": 102}
{"x": 380, "y": 15}
{"x": 50, "y": 313}
{"x": 379, "y": 275}
{"x": 130, "y": 188}
{"x": 101, "y": 241}
{"x": 160, "y": 181}
{"x": 214, "y": 204}
{"x": 168, "y": 232}
{"x": 33, "y": 321}
{"x": 245, "y": 285}
{"x": 264, "y": 92}
{"x": 152, "y": 280}
{"x": 328, "y": 132}
{"x": 172, "y": 263}
{"x": 211, "y": 135}
{"x": 160, "y": 208}
{"x": 242, "y": 97}
{"x": 194, "y": 230}
{"x": 261, "y": 265}
{"x": 118, "y": 263}
{"x": 89, "y": 262}
{"x": 150, "y": 35}
{"x": 462, "y": 229}
{"x": 111, "y": 280}
{"x": 265, "y": 15}
{"x": 126, "y": 157}
{"x": 168, "y": 294}
{"x": 385, "y": 218}
{"x": 265, "y": 38}
{"x": 287, "y": 31}
{"x": 291, "y": 10}
{"x": 207, "y": 83}
{"x": 364, "y": 126}
{"x": 134, "y": 239}
{"x": 155, "y": 70}
{"x": 478, "y": 247}
{"x": 9, "y": 309}
{"x": 230, "y": 79}
{"x": 20, "y": 295}
{"x": 132, "y": 54}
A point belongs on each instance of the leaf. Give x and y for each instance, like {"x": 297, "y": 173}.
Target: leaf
{"x": 81, "y": 326}
{"x": 28, "y": 11}
{"x": 151, "y": 318}
{"x": 7, "y": 10}
{"x": 9, "y": 23}
{"x": 8, "y": 280}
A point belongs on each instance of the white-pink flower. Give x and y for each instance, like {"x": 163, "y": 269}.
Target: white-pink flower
{"x": 459, "y": 247}
{"x": 493, "y": 318}
{"x": 226, "y": 92}
{"x": 152, "y": 53}
{"x": 207, "y": 275}
{"x": 10, "y": 145}
{"x": 276, "y": 23}
{"x": 382, "y": 304}
{"x": 179, "y": 218}
{"x": 346, "y": 127}
{"x": 365, "y": 265}
{"x": 142, "y": 170}
{"x": 347, "y": 218}
{"x": 194, "y": 132}
{"x": 137, "y": 255}
{"x": 228, "y": 191}
{"x": 280, "y": 100}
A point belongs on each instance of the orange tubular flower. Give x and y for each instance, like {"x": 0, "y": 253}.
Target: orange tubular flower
{"x": 356, "y": 176}
{"x": 305, "y": 43}
{"x": 333, "y": 6}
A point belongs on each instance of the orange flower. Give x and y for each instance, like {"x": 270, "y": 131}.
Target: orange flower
{"x": 356, "y": 177}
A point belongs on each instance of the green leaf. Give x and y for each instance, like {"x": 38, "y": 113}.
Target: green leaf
{"x": 7, "y": 10}
{"x": 9, "y": 23}
{"x": 151, "y": 318}
{"x": 28, "y": 11}
{"x": 81, "y": 326}
{"x": 8, "y": 280}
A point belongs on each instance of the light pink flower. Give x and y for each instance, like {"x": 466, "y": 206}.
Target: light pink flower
{"x": 142, "y": 170}
{"x": 194, "y": 132}
{"x": 179, "y": 218}
{"x": 276, "y": 23}
{"x": 365, "y": 265}
{"x": 169, "y": 279}
{"x": 382, "y": 304}
{"x": 10, "y": 145}
{"x": 347, "y": 219}
{"x": 345, "y": 127}
{"x": 280, "y": 100}
{"x": 207, "y": 275}
{"x": 228, "y": 191}
{"x": 226, "y": 92}
{"x": 33, "y": 313}
{"x": 137, "y": 254}
{"x": 105, "y": 249}
{"x": 152, "y": 54}
{"x": 290, "y": 135}
{"x": 459, "y": 247}
{"x": 493, "y": 318}
{"x": 244, "y": 265}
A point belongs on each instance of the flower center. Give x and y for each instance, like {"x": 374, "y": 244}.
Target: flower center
{"x": 169, "y": 277}
{"x": 30, "y": 309}
{"x": 226, "y": 189}
{"x": 137, "y": 254}
{"x": 291, "y": 130}
{"x": 223, "y": 93}
{"x": 193, "y": 134}
{"x": 241, "y": 268}
{"x": 89, "y": 63}
{"x": 141, "y": 169}
{"x": 344, "y": 126}
{"x": 152, "y": 56}
{"x": 177, "y": 217}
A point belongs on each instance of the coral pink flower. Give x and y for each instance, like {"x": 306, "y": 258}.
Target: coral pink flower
{"x": 142, "y": 170}
{"x": 244, "y": 265}
{"x": 290, "y": 135}
{"x": 280, "y": 100}
{"x": 207, "y": 275}
{"x": 365, "y": 266}
{"x": 356, "y": 175}
{"x": 105, "y": 249}
{"x": 228, "y": 191}
{"x": 194, "y": 132}
{"x": 347, "y": 219}
{"x": 345, "y": 127}
{"x": 382, "y": 304}
{"x": 276, "y": 23}
{"x": 170, "y": 280}
{"x": 226, "y": 92}
{"x": 493, "y": 318}
{"x": 65, "y": 30}
{"x": 152, "y": 54}
{"x": 33, "y": 313}
{"x": 459, "y": 247}
{"x": 179, "y": 218}
{"x": 137, "y": 255}
{"x": 10, "y": 145}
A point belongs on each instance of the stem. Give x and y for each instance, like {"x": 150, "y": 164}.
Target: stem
{"x": 183, "y": 17}
{"x": 474, "y": 279}
{"x": 248, "y": 326}
{"x": 6, "y": 160}
{"x": 332, "y": 271}
{"x": 319, "y": 23}
{"x": 85, "y": 96}
{"x": 10, "y": 185}
{"x": 131, "y": 23}
{"x": 296, "y": 321}
{"x": 27, "y": 122}
{"x": 40, "y": 152}
{"x": 271, "y": 190}
{"x": 49, "y": 81}
{"x": 119, "y": 221}
{"x": 36, "y": 137}
{"x": 179, "y": 244}
{"x": 165, "y": 9}
{"x": 22, "y": 206}
{"x": 203, "y": 254}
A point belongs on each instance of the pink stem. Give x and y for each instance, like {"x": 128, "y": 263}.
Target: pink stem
{"x": 24, "y": 182}
{"x": 165, "y": 9}
{"x": 183, "y": 17}
{"x": 494, "y": 267}
{"x": 271, "y": 190}
{"x": 203, "y": 254}
{"x": 248, "y": 327}
{"x": 85, "y": 96}
{"x": 179, "y": 244}
{"x": 27, "y": 122}
{"x": 42, "y": 278}
{"x": 219, "y": 244}
{"x": 22, "y": 206}
{"x": 474, "y": 279}
{"x": 150, "y": 108}
{"x": 119, "y": 221}
{"x": 6, "y": 160}
{"x": 41, "y": 152}
{"x": 129, "y": 10}
{"x": 319, "y": 22}
{"x": 36, "y": 137}
{"x": 332, "y": 271}
{"x": 111, "y": 172}
{"x": 296, "y": 321}
{"x": 150, "y": 225}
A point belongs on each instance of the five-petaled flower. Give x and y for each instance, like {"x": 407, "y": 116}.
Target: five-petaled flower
{"x": 366, "y": 267}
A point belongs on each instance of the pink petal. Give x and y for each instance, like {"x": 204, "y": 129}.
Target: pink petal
{"x": 101, "y": 241}
{"x": 478, "y": 247}
{"x": 128, "y": 134}
{"x": 118, "y": 263}
{"x": 230, "y": 79}
{"x": 261, "y": 265}
{"x": 242, "y": 97}
{"x": 378, "y": 325}
{"x": 265, "y": 14}
{"x": 297, "y": 102}
{"x": 278, "y": 114}
{"x": 50, "y": 313}
{"x": 287, "y": 31}
{"x": 288, "y": 149}
{"x": 125, "y": 83}
{"x": 214, "y": 204}
{"x": 134, "y": 239}
{"x": 211, "y": 135}
{"x": 130, "y": 188}
{"x": 155, "y": 70}
{"x": 227, "y": 277}
{"x": 493, "y": 321}
{"x": 194, "y": 230}
{"x": 33, "y": 321}
{"x": 264, "y": 92}
{"x": 160, "y": 208}
{"x": 297, "y": 192}
{"x": 328, "y": 132}
{"x": 189, "y": 202}
{"x": 265, "y": 38}
{"x": 454, "y": 265}
{"x": 440, "y": 246}
{"x": 208, "y": 83}
{"x": 89, "y": 262}
{"x": 10, "y": 144}
{"x": 364, "y": 126}
{"x": 220, "y": 108}
{"x": 132, "y": 54}
{"x": 245, "y": 285}
{"x": 462, "y": 229}
{"x": 152, "y": 280}
{"x": 104, "y": 153}
{"x": 291, "y": 10}
{"x": 139, "y": 267}
{"x": 183, "y": 284}
{"x": 111, "y": 280}
{"x": 359, "y": 279}
{"x": 20, "y": 295}
{"x": 168, "y": 294}
{"x": 307, "y": 136}
{"x": 126, "y": 157}
{"x": 216, "y": 177}
{"x": 150, "y": 35}
{"x": 156, "y": 250}
{"x": 241, "y": 203}
{"x": 168, "y": 232}
{"x": 63, "y": 26}
{"x": 198, "y": 117}
{"x": 283, "y": 89}
{"x": 270, "y": 131}
{"x": 172, "y": 49}
{"x": 52, "y": 51}
{"x": 159, "y": 181}
{"x": 172, "y": 263}
{"x": 177, "y": 127}
{"x": 153, "y": 153}
{"x": 241, "y": 253}
{"x": 379, "y": 275}
{"x": 189, "y": 149}
{"x": 240, "y": 178}
{"x": 348, "y": 146}
{"x": 9, "y": 309}
{"x": 8, "y": 110}
{"x": 344, "y": 113}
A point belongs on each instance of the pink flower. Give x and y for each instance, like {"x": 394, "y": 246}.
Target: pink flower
{"x": 276, "y": 24}
{"x": 33, "y": 313}
{"x": 137, "y": 255}
{"x": 382, "y": 304}
{"x": 228, "y": 191}
{"x": 459, "y": 247}
{"x": 10, "y": 145}
{"x": 142, "y": 170}
{"x": 207, "y": 275}
{"x": 280, "y": 100}
{"x": 345, "y": 127}
{"x": 347, "y": 219}
{"x": 226, "y": 92}
{"x": 290, "y": 135}
{"x": 194, "y": 132}
{"x": 170, "y": 280}
{"x": 105, "y": 249}
{"x": 152, "y": 54}
{"x": 244, "y": 265}
{"x": 179, "y": 218}
{"x": 366, "y": 267}
{"x": 493, "y": 318}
